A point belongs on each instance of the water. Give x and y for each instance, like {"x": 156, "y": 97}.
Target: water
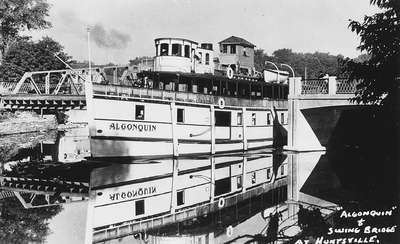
{"x": 283, "y": 198}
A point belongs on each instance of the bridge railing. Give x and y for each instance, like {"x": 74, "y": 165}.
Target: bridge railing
{"x": 314, "y": 86}
{"x": 327, "y": 86}
{"x": 67, "y": 81}
{"x": 7, "y": 87}
{"x": 344, "y": 86}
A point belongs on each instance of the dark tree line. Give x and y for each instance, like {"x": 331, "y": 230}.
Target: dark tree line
{"x": 26, "y": 55}
{"x": 310, "y": 65}
{"x": 17, "y": 16}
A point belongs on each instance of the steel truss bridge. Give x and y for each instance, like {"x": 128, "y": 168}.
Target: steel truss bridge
{"x": 58, "y": 89}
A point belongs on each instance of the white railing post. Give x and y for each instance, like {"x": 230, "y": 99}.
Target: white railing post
{"x": 294, "y": 86}
{"x": 332, "y": 87}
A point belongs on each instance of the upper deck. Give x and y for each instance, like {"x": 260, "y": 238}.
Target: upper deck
{"x": 199, "y": 88}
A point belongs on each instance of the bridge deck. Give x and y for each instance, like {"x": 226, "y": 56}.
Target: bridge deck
{"x": 43, "y": 102}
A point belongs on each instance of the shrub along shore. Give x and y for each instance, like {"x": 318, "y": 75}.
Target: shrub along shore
{"x": 24, "y": 122}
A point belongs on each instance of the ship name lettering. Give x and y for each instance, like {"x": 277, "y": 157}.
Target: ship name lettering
{"x": 142, "y": 191}
{"x": 132, "y": 127}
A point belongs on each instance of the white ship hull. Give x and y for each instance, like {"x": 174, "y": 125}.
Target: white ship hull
{"x": 139, "y": 127}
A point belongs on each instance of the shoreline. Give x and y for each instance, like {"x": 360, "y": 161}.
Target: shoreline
{"x": 25, "y": 122}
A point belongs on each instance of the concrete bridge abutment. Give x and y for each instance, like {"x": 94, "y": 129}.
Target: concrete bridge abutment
{"x": 314, "y": 107}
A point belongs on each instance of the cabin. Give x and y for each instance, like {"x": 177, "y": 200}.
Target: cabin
{"x": 187, "y": 56}
{"x": 183, "y": 55}
{"x": 238, "y": 54}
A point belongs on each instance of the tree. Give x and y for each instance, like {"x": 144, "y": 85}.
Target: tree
{"x": 26, "y": 55}
{"x": 19, "y": 15}
{"x": 316, "y": 63}
{"x": 380, "y": 39}
{"x": 21, "y": 225}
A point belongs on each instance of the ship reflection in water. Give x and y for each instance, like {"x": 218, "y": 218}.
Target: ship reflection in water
{"x": 264, "y": 196}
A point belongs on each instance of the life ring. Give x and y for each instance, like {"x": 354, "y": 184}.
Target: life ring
{"x": 221, "y": 202}
{"x": 229, "y": 72}
{"x": 221, "y": 103}
{"x": 229, "y": 231}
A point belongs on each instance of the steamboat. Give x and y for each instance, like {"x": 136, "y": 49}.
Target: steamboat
{"x": 190, "y": 100}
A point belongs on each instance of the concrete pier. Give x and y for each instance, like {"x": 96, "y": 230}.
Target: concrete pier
{"x": 314, "y": 109}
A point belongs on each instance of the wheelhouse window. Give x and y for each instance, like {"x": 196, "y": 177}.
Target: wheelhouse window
{"x": 200, "y": 57}
{"x": 180, "y": 198}
{"x": 239, "y": 118}
{"x": 139, "y": 207}
{"x": 245, "y": 52}
{"x": 139, "y": 112}
{"x": 282, "y": 118}
{"x": 268, "y": 173}
{"x": 233, "y": 49}
{"x": 164, "y": 49}
{"x": 207, "y": 58}
{"x": 268, "y": 119}
{"x": 176, "y": 49}
{"x": 180, "y": 115}
{"x": 187, "y": 51}
{"x": 224, "y": 48}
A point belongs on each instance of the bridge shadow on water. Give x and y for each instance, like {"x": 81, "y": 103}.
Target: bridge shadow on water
{"x": 362, "y": 155}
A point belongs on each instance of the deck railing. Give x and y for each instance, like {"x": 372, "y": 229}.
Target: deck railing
{"x": 129, "y": 91}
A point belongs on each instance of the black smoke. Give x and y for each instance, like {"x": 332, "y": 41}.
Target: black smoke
{"x": 109, "y": 38}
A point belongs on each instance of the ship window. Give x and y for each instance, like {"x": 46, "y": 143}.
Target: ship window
{"x": 176, "y": 49}
{"x": 253, "y": 118}
{"x": 187, "y": 51}
{"x": 207, "y": 58}
{"x": 244, "y": 71}
{"x": 224, "y": 48}
{"x": 245, "y": 53}
{"x": 239, "y": 182}
{"x": 139, "y": 207}
{"x": 195, "y": 88}
{"x": 139, "y": 112}
{"x": 282, "y": 118}
{"x": 222, "y": 118}
{"x": 180, "y": 115}
{"x": 243, "y": 90}
{"x": 239, "y": 118}
{"x": 253, "y": 178}
{"x": 200, "y": 57}
{"x": 268, "y": 174}
{"x": 180, "y": 198}
{"x": 222, "y": 186}
{"x": 268, "y": 118}
{"x": 164, "y": 49}
{"x": 233, "y": 49}
{"x": 282, "y": 170}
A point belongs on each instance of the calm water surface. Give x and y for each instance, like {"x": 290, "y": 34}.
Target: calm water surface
{"x": 287, "y": 198}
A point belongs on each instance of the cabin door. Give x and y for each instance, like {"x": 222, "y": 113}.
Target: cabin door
{"x": 222, "y": 125}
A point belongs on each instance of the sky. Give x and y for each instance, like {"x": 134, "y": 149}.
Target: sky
{"x": 125, "y": 29}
